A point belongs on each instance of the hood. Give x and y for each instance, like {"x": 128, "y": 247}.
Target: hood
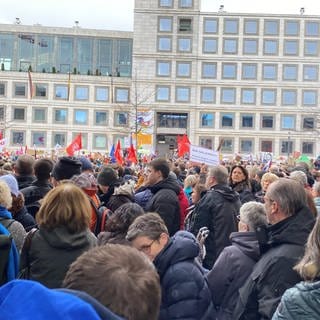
{"x": 169, "y": 183}
{"x": 181, "y": 247}
{"x": 60, "y": 237}
{"x": 247, "y": 242}
{"x": 227, "y": 193}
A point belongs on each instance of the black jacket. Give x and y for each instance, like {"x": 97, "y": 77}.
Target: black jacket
{"x": 36, "y": 191}
{"x": 217, "y": 211}
{"x": 24, "y": 181}
{"x": 166, "y": 203}
{"x": 273, "y": 274}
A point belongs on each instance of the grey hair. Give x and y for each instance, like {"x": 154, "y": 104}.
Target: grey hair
{"x": 220, "y": 173}
{"x": 299, "y": 176}
{"x": 253, "y": 214}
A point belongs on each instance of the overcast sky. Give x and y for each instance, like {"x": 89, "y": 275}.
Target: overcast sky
{"x": 118, "y": 14}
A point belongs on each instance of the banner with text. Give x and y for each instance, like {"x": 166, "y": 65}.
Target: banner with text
{"x": 203, "y": 155}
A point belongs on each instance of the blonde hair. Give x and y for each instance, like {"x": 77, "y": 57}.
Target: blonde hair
{"x": 5, "y": 195}
{"x": 66, "y": 205}
{"x": 269, "y": 176}
{"x": 190, "y": 180}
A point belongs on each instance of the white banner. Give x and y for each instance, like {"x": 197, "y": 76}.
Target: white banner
{"x": 203, "y": 155}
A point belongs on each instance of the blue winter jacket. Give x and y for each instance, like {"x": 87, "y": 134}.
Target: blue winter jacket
{"x": 185, "y": 292}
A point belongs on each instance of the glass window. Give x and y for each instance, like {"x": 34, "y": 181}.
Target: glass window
{"x": 269, "y": 72}
{"x": 172, "y": 120}
{"x": 271, "y": 27}
{"x": 41, "y": 90}
{"x": 250, "y": 26}
{"x": 20, "y": 90}
{"x": 229, "y": 70}
{"x": 185, "y": 3}
{"x": 247, "y": 120}
{"x": 100, "y": 141}
{"x": 290, "y": 72}
{"x": 207, "y": 120}
{"x": 45, "y": 52}
{"x": 248, "y": 96}
{"x": 19, "y": 114}
{"x": 60, "y": 116}
{"x": 311, "y": 47}
{"x": 291, "y": 28}
{"x": 182, "y": 94}
{"x": 308, "y": 123}
{"x": 101, "y": 118}
{"x": 311, "y": 28}
{"x": 162, "y": 93}
{"x": 7, "y": 50}
{"x": 249, "y": 71}
{"x": 228, "y": 95}
{"x": 206, "y": 142}
{"x": 183, "y": 69}
{"x": 250, "y": 46}
{"x": 165, "y": 3}
{"x": 210, "y": 25}
{"x": 163, "y": 68}
{"x": 309, "y": 97}
{"x": 61, "y": 92}
{"x": 230, "y": 46}
{"x": 268, "y": 96}
{"x": 2, "y": 113}
{"x": 39, "y": 115}
{"x": 307, "y": 147}
{"x": 246, "y": 145}
{"x": 102, "y": 94}
{"x": 59, "y": 139}
{"x": 227, "y": 120}
{"x": 18, "y": 138}
{"x": 165, "y": 24}
{"x": 2, "y": 89}
{"x": 81, "y": 93}
{"x": 122, "y": 95}
{"x": 310, "y": 72}
{"x": 286, "y": 147}
{"x": 209, "y": 70}
{"x": 270, "y": 46}
{"x": 289, "y": 97}
{"x": 80, "y": 117}
{"x": 184, "y": 44}
{"x": 185, "y": 25}
{"x": 227, "y": 145}
{"x": 210, "y": 45}
{"x": 164, "y": 43}
{"x": 121, "y": 118}
{"x": 38, "y": 139}
{"x": 208, "y": 95}
{"x": 291, "y": 47}
{"x": 231, "y": 26}
{"x": 267, "y": 121}
{"x": 84, "y": 48}
{"x": 266, "y": 145}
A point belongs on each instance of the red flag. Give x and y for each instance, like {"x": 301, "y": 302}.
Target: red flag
{"x": 1, "y": 135}
{"x": 183, "y": 145}
{"x": 132, "y": 155}
{"x": 117, "y": 153}
{"x": 75, "y": 145}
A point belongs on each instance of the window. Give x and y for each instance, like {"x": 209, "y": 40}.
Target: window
{"x": 271, "y": 27}
{"x": 250, "y": 46}
{"x": 41, "y": 90}
{"x": 309, "y": 97}
{"x": 18, "y": 138}
{"x": 246, "y": 145}
{"x": 227, "y": 120}
{"x": 102, "y": 94}
{"x": 172, "y": 120}
{"x": 229, "y": 70}
{"x": 2, "y": 113}
{"x": 80, "y": 117}
{"x": 286, "y": 147}
{"x": 270, "y": 47}
{"x": 290, "y": 72}
{"x": 82, "y": 93}
{"x": 269, "y": 72}
{"x": 20, "y": 90}
{"x": 248, "y": 96}
{"x": 227, "y": 145}
{"x": 163, "y": 68}
{"x": 182, "y": 94}
{"x": 184, "y": 44}
{"x": 288, "y": 122}
{"x": 162, "y": 93}
{"x": 185, "y": 3}
{"x": 100, "y": 141}
{"x": 185, "y": 25}
{"x": 39, "y": 115}
{"x": 121, "y": 118}
{"x": 165, "y": 3}
{"x": 165, "y": 24}
{"x": 311, "y": 28}
{"x": 230, "y": 46}
{"x": 209, "y": 70}
{"x": 247, "y": 121}
{"x": 289, "y": 97}
{"x": 210, "y": 25}
{"x": 249, "y": 71}
{"x": 268, "y": 96}
{"x": 251, "y": 26}
{"x": 228, "y": 95}
{"x": 308, "y": 123}
{"x": 291, "y": 28}
{"x": 59, "y": 139}
{"x": 206, "y": 142}
{"x": 231, "y": 26}
{"x": 164, "y": 43}
{"x": 267, "y": 122}
{"x": 101, "y": 118}
{"x": 60, "y": 116}
{"x": 38, "y": 138}
{"x": 209, "y": 45}
{"x": 266, "y": 145}
{"x": 61, "y": 92}
{"x": 307, "y": 147}
{"x": 183, "y": 69}
{"x": 122, "y": 95}
{"x": 2, "y": 89}
{"x": 311, "y": 47}
{"x": 19, "y": 114}
{"x": 207, "y": 120}
{"x": 291, "y": 47}
{"x": 310, "y": 72}
{"x": 208, "y": 95}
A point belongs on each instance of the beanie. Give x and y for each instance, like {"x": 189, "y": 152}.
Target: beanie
{"x": 107, "y": 176}
{"x": 66, "y": 168}
{"x": 12, "y": 183}
{"x": 85, "y": 181}
{"x": 86, "y": 164}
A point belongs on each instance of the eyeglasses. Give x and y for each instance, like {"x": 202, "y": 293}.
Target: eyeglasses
{"x": 146, "y": 248}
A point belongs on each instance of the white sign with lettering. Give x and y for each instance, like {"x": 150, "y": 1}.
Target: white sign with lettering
{"x": 203, "y": 155}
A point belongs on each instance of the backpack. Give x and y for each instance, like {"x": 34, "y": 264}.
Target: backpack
{"x": 102, "y": 215}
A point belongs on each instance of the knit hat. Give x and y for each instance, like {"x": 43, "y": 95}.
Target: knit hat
{"x": 86, "y": 164}
{"x": 66, "y": 168}
{"x": 85, "y": 181}
{"x": 12, "y": 183}
{"x": 107, "y": 176}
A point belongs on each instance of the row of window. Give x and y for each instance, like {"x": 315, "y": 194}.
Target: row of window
{"x": 183, "y": 4}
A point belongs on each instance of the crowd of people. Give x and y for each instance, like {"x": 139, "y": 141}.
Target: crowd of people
{"x": 160, "y": 240}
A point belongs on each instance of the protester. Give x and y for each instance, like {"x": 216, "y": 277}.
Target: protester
{"x": 266, "y": 180}
{"x": 23, "y": 170}
{"x": 107, "y": 179}
{"x": 316, "y": 196}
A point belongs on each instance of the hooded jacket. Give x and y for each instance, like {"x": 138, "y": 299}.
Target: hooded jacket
{"x": 185, "y": 292}
{"x": 217, "y": 211}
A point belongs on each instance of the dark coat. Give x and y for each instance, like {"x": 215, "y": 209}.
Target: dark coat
{"x": 231, "y": 271}
{"x": 36, "y": 191}
{"x": 244, "y": 190}
{"x": 300, "y": 302}
{"x": 24, "y": 181}
{"x": 52, "y": 252}
{"x": 26, "y": 219}
{"x": 166, "y": 203}
{"x": 217, "y": 211}
{"x": 273, "y": 273}
{"x": 185, "y": 292}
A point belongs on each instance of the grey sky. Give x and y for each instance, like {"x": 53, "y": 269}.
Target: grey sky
{"x": 118, "y": 14}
